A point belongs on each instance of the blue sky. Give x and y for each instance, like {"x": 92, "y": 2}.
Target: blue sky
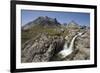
{"x": 62, "y": 17}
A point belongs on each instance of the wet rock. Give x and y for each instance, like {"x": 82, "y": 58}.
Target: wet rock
{"x": 82, "y": 45}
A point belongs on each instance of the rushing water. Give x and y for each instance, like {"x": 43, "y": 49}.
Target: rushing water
{"x": 68, "y": 50}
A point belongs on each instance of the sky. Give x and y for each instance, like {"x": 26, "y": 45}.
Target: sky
{"x": 62, "y": 17}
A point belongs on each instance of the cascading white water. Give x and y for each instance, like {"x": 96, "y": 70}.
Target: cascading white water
{"x": 68, "y": 50}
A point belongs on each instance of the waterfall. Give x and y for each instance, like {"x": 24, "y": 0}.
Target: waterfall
{"x": 68, "y": 50}
{"x": 65, "y": 45}
{"x": 72, "y": 42}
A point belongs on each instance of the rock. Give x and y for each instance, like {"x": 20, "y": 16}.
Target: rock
{"x": 43, "y": 49}
{"x": 82, "y": 45}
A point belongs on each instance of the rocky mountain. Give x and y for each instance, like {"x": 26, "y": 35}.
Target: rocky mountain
{"x": 73, "y": 24}
{"x": 44, "y": 21}
{"x": 41, "y": 44}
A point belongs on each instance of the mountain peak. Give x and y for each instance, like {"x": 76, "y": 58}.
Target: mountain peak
{"x": 46, "y": 18}
{"x": 44, "y": 21}
{"x": 73, "y": 24}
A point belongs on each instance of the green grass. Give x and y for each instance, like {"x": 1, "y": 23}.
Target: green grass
{"x": 34, "y": 31}
{"x": 50, "y": 31}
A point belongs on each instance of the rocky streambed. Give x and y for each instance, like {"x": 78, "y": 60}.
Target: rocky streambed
{"x": 43, "y": 48}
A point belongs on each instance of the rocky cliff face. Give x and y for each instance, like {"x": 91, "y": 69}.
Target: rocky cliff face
{"x": 41, "y": 44}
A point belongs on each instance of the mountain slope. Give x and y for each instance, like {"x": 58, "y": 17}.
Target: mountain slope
{"x": 43, "y": 21}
